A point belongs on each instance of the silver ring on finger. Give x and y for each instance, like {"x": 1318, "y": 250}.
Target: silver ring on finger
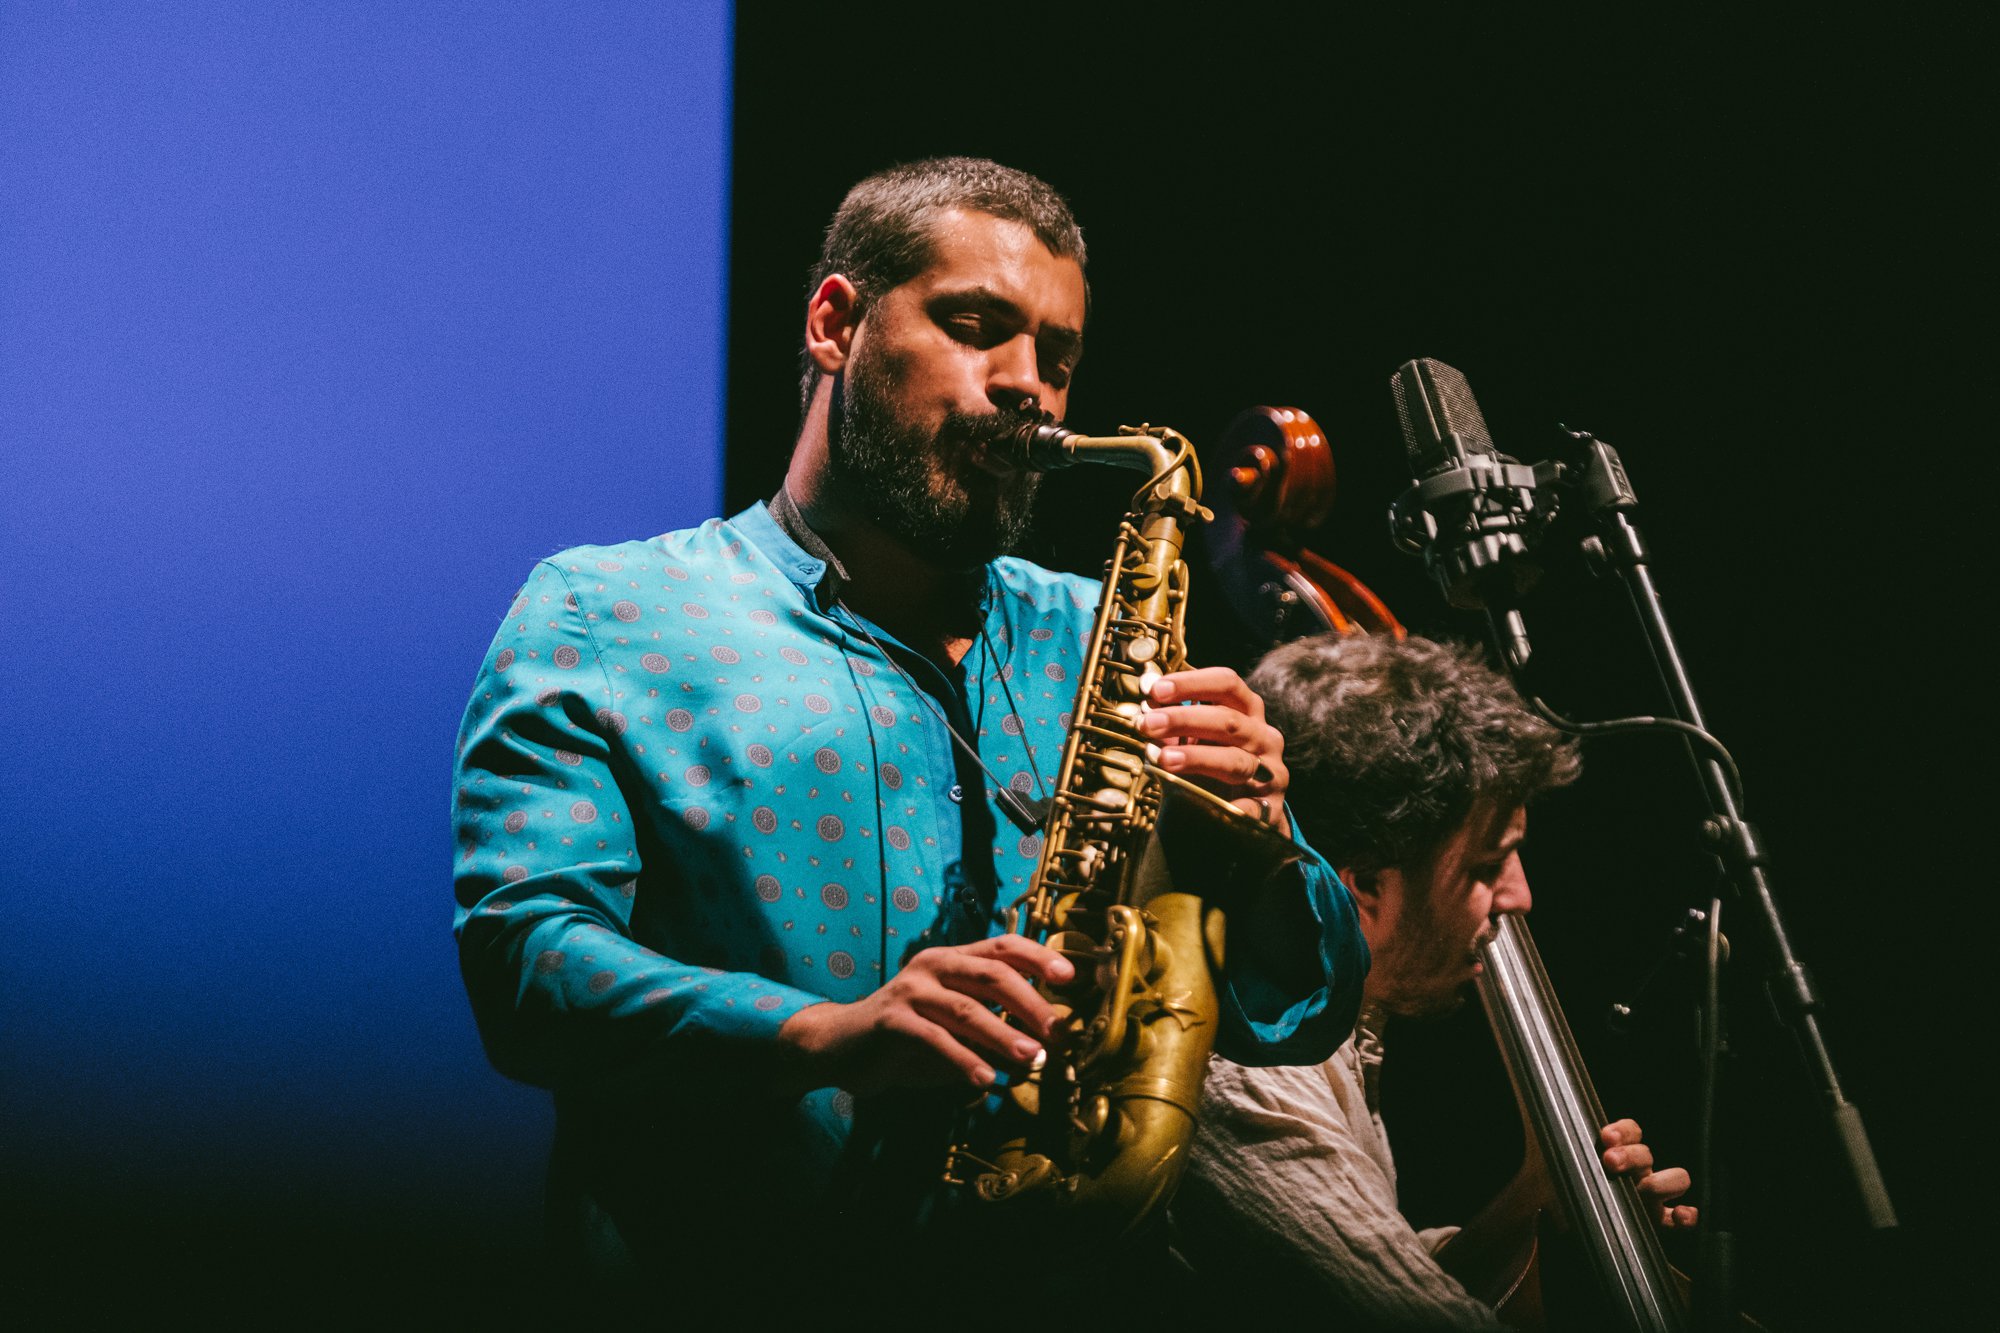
{"x": 1264, "y": 809}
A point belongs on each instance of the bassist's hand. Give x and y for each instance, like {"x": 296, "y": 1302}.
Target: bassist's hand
{"x": 1625, "y": 1154}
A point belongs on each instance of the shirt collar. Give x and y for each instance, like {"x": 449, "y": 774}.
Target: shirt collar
{"x": 776, "y": 528}
{"x": 779, "y": 530}
{"x": 793, "y": 547}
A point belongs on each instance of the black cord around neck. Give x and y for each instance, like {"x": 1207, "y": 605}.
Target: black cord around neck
{"x": 1025, "y": 813}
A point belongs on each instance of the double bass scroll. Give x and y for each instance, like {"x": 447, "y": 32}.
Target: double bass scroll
{"x": 1277, "y": 486}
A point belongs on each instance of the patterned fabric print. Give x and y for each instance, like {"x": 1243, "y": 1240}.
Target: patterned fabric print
{"x": 698, "y": 804}
{"x": 690, "y": 803}
{"x": 1038, "y": 661}
{"x": 586, "y": 700}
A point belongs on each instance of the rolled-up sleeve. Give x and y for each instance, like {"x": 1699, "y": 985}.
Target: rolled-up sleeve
{"x": 1296, "y": 961}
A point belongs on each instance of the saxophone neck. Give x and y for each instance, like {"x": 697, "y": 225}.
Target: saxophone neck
{"x": 1151, "y": 449}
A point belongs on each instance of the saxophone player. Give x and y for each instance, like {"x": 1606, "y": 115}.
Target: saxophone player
{"x": 738, "y": 807}
{"x": 1416, "y": 763}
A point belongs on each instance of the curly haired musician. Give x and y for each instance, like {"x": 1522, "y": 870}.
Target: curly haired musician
{"x": 1414, "y": 765}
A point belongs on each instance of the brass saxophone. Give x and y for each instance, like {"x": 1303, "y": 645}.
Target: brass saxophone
{"x": 1133, "y": 860}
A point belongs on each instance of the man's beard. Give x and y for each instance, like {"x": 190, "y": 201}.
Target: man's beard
{"x": 1431, "y": 1002}
{"x": 1436, "y": 1005}
{"x": 921, "y": 487}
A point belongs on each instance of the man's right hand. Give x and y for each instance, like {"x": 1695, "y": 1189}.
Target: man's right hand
{"x": 933, "y": 1024}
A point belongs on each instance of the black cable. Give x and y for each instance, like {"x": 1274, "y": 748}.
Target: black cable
{"x": 1041, "y": 787}
{"x": 1619, "y": 726}
{"x": 1026, "y": 815}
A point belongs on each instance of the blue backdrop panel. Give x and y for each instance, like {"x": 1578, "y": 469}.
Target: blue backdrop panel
{"x": 318, "y": 325}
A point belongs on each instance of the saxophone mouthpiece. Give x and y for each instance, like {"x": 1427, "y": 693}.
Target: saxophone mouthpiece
{"x": 1041, "y": 446}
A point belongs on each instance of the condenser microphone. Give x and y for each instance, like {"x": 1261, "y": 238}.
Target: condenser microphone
{"x": 1472, "y": 513}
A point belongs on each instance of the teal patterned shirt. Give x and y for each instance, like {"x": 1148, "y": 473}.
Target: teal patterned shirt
{"x": 692, "y": 798}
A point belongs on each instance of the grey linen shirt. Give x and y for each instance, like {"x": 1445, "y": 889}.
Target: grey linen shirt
{"x": 1289, "y": 1202}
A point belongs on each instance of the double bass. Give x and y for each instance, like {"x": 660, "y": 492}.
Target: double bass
{"x": 1278, "y": 485}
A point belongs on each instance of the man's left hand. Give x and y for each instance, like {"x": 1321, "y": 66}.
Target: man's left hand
{"x": 1209, "y": 725}
{"x": 1626, "y": 1155}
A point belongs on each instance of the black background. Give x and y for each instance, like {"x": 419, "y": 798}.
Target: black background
{"x": 1745, "y": 254}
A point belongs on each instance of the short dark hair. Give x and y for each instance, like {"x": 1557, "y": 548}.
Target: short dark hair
{"x": 1391, "y": 742}
{"x": 880, "y": 237}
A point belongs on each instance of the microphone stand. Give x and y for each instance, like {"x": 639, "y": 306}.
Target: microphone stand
{"x": 1600, "y": 485}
